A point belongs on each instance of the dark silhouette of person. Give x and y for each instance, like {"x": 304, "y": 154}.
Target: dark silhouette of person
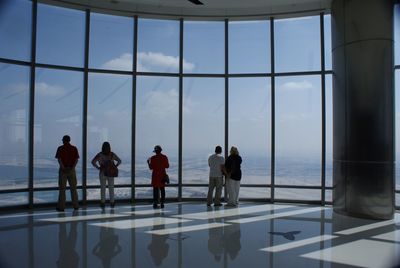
{"x": 108, "y": 246}
{"x": 158, "y": 246}
{"x": 68, "y": 257}
{"x": 231, "y": 240}
{"x": 215, "y": 240}
{"x": 234, "y": 175}
{"x": 104, "y": 158}
{"x": 67, "y": 156}
{"x": 158, "y": 163}
{"x": 217, "y": 169}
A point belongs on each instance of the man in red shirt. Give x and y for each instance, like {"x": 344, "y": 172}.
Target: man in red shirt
{"x": 67, "y": 156}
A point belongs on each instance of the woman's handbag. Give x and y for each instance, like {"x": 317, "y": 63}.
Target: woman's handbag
{"x": 110, "y": 169}
{"x": 166, "y": 178}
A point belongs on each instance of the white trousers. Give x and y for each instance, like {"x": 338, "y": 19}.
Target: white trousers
{"x": 103, "y": 181}
{"x": 233, "y": 188}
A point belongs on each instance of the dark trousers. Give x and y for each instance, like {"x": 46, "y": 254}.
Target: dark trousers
{"x": 156, "y": 194}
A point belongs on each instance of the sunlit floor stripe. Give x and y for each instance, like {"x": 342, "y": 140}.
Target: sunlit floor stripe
{"x": 360, "y": 253}
{"x": 223, "y": 212}
{"x": 146, "y": 212}
{"x": 187, "y": 228}
{"x": 138, "y": 223}
{"x": 278, "y": 215}
{"x": 369, "y": 226}
{"x": 390, "y": 236}
{"x": 85, "y": 217}
{"x": 299, "y": 243}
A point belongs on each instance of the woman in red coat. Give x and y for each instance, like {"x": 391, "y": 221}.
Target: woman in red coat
{"x": 158, "y": 163}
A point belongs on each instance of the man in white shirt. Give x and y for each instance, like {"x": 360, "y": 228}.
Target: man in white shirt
{"x": 216, "y": 163}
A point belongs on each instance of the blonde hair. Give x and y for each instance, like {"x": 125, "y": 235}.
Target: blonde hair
{"x": 234, "y": 151}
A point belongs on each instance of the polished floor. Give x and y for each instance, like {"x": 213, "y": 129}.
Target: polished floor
{"x": 194, "y": 235}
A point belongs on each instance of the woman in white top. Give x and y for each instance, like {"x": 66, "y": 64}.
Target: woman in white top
{"x": 101, "y": 162}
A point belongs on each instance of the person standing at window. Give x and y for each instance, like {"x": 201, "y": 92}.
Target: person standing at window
{"x": 101, "y": 161}
{"x": 216, "y": 164}
{"x": 67, "y": 156}
{"x": 234, "y": 175}
{"x": 158, "y": 163}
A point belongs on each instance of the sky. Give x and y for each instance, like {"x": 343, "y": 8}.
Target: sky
{"x": 59, "y": 93}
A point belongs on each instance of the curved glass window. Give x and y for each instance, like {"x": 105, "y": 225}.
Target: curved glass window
{"x": 298, "y": 132}
{"x": 110, "y": 119}
{"x": 157, "y": 114}
{"x": 250, "y": 126}
{"x": 297, "y": 44}
{"x": 158, "y": 46}
{"x": 60, "y": 36}
{"x": 14, "y": 118}
{"x": 249, "y": 47}
{"x": 203, "y": 126}
{"x": 15, "y": 27}
{"x": 111, "y": 42}
{"x": 58, "y": 112}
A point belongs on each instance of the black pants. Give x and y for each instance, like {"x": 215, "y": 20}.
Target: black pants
{"x": 156, "y": 194}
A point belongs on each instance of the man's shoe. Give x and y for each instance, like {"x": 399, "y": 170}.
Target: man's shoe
{"x": 76, "y": 208}
{"x": 154, "y": 206}
{"x": 162, "y": 205}
{"x": 217, "y": 205}
{"x": 59, "y": 210}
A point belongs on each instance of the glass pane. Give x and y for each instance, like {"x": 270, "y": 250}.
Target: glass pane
{"x": 250, "y": 126}
{"x": 203, "y": 125}
{"x": 397, "y": 123}
{"x": 13, "y": 199}
{"x": 60, "y": 36}
{"x": 15, "y": 27}
{"x": 298, "y": 130}
{"x": 397, "y": 34}
{"x": 259, "y": 192}
{"x": 119, "y": 193}
{"x": 110, "y": 119}
{"x": 43, "y": 197}
{"x": 14, "y": 124}
{"x": 204, "y": 46}
{"x": 58, "y": 112}
{"x": 328, "y": 130}
{"x": 195, "y": 192}
{"x": 147, "y": 193}
{"x": 157, "y": 119}
{"x": 111, "y": 42}
{"x": 298, "y": 194}
{"x": 297, "y": 44}
{"x": 249, "y": 47}
{"x": 328, "y": 42}
{"x": 158, "y": 46}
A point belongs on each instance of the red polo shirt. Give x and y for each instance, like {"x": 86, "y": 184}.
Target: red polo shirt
{"x": 68, "y": 154}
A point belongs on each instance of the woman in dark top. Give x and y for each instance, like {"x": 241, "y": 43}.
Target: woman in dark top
{"x": 234, "y": 175}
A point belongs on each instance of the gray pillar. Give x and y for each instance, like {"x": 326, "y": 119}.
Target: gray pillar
{"x": 363, "y": 108}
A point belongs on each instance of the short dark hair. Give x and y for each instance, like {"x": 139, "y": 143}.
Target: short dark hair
{"x": 106, "y": 147}
{"x": 66, "y": 138}
{"x": 218, "y": 149}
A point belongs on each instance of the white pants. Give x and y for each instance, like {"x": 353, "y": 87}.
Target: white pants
{"x": 233, "y": 188}
{"x": 103, "y": 181}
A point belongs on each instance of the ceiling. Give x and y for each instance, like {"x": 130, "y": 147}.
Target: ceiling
{"x": 211, "y": 9}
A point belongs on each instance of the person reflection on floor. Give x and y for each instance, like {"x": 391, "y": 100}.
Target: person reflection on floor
{"x": 68, "y": 257}
{"x": 215, "y": 240}
{"x": 231, "y": 240}
{"x": 158, "y": 246}
{"x": 108, "y": 246}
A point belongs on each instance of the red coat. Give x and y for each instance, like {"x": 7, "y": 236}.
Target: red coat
{"x": 158, "y": 163}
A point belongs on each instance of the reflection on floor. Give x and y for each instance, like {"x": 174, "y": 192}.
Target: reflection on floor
{"x": 193, "y": 235}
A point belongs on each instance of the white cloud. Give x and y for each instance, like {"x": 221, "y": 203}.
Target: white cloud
{"x": 123, "y": 62}
{"x": 161, "y": 103}
{"x": 303, "y": 85}
{"x": 148, "y": 62}
{"x": 72, "y": 119}
{"x": 49, "y": 90}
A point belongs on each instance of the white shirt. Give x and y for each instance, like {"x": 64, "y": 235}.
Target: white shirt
{"x": 215, "y": 161}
